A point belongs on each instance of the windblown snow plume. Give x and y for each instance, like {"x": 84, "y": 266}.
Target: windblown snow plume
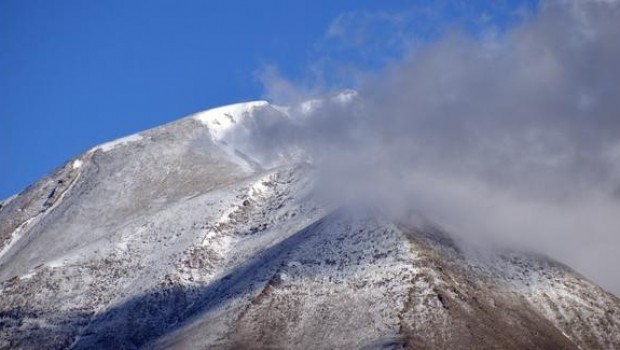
{"x": 512, "y": 137}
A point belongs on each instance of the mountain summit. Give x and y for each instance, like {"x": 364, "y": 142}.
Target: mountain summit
{"x": 192, "y": 235}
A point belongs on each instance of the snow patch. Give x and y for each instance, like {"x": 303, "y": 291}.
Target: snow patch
{"x": 16, "y": 235}
{"x": 248, "y": 131}
{"x": 29, "y": 275}
{"x": 72, "y": 257}
{"x": 108, "y": 146}
{"x": 255, "y": 192}
{"x": 77, "y": 164}
{"x": 259, "y": 188}
{"x": 220, "y": 120}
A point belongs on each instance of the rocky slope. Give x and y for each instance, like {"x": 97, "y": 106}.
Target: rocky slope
{"x": 184, "y": 236}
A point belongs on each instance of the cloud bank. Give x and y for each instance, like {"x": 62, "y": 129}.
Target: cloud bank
{"x": 512, "y": 137}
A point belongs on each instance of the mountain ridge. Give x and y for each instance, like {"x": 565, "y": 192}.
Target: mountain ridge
{"x": 186, "y": 236}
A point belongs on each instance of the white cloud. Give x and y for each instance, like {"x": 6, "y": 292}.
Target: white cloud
{"x": 513, "y": 137}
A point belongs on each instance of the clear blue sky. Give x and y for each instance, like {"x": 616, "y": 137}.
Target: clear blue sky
{"x": 77, "y": 73}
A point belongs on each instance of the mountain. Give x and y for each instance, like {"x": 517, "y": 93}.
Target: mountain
{"x": 192, "y": 235}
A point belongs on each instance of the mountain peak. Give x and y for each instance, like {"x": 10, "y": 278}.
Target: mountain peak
{"x": 185, "y": 236}
{"x": 220, "y": 119}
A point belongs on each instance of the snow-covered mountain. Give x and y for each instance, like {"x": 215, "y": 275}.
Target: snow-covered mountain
{"x": 186, "y": 236}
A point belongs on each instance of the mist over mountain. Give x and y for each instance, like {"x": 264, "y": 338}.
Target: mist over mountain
{"x": 513, "y": 136}
{"x": 189, "y": 235}
{"x": 466, "y": 196}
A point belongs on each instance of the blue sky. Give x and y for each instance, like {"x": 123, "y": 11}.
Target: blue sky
{"x": 74, "y": 74}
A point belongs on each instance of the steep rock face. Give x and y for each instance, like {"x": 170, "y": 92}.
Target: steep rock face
{"x": 184, "y": 236}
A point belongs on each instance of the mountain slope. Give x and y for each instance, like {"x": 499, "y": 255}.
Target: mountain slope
{"x": 186, "y": 236}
